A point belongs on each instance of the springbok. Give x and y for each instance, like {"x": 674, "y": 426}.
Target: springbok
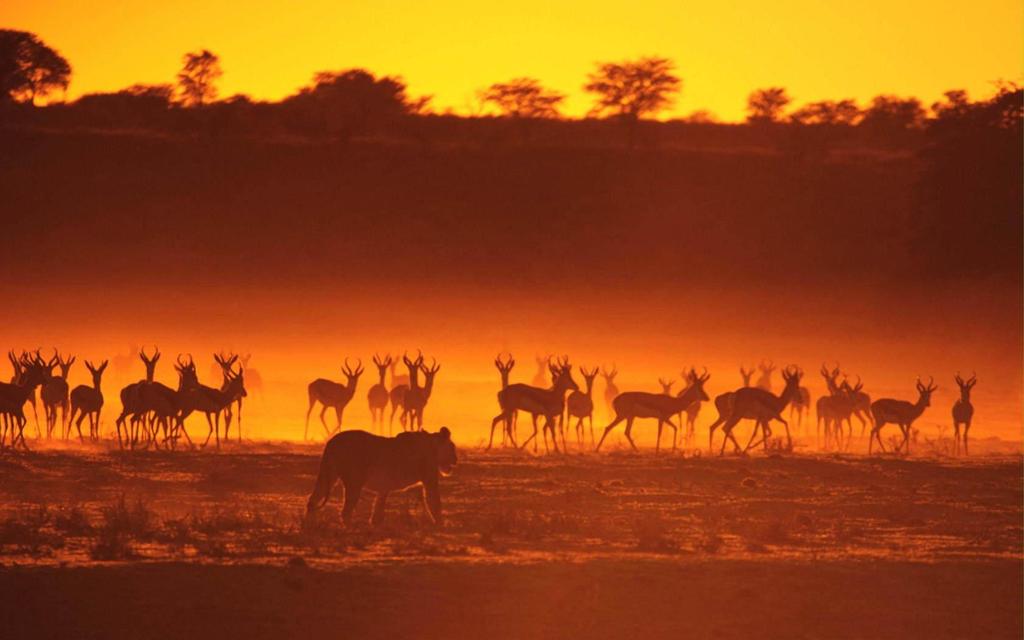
{"x": 378, "y": 396}
{"x": 963, "y": 411}
{"x": 611, "y": 391}
{"x": 580, "y": 405}
{"x": 416, "y": 398}
{"x": 861, "y": 409}
{"x": 87, "y": 402}
{"x": 504, "y": 368}
{"x": 333, "y": 395}
{"x": 537, "y": 401}
{"x": 211, "y": 401}
{"x": 900, "y": 413}
{"x": 54, "y": 394}
{"x": 133, "y": 400}
{"x": 752, "y": 403}
{"x": 764, "y": 381}
{"x": 19, "y": 363}
{"x": 238, "y": 391}
{"x": 723, "y": 403}
{"x": 397, "y": 393}
{"x": 30, "y": 372}
{"x": 692, "y": 411}
{"x": 631, "y": 405}
{"x": 832, "y": 409}
{"x": 398, "y": 379}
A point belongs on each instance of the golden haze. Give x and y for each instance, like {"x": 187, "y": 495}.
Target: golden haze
{"x": 450, "y": 49}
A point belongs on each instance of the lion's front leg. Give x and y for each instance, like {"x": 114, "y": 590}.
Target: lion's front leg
{"x": 432, "y": 500}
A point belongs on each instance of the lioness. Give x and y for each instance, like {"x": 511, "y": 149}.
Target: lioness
{"x": 382, "y": 465}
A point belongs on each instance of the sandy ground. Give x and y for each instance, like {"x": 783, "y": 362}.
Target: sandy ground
{"x": 97, "y": 543}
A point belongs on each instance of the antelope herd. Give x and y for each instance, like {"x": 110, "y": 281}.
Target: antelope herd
{"x": 154, "y": 415}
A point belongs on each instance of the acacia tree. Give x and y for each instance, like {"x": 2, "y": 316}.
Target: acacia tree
{"x": 766, "y": 105}
{"x": 633, "y": 89}
{"x": 29, "y": 68}
{"x": 197, "y": 77}
{"x": 523, "y": 98}
{"x": 893, "y": 113}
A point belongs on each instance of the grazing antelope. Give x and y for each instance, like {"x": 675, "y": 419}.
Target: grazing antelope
{"x": 397, "y": 393}
{"x": 538, "y": 401}
{"x": 764, "y": 381}
{"x": 416, "y": 398}
{"x": 30, "y": 372}
{"x": 631, "y": 405}
{"x": 611, "y": 391}
{"x": 378, "y": 395}
{"x": 580, "y": 405}
{"x": 54, "y": 394}
{"x": 504, "y": 369}
{"x": 752, "y": 403}
{"x": 333, "y": 395}
{"x": 540, "y": 379}
{"x": 87, "y": 402}
{"x": 723, "y": 403}
{"x": 963, "y": 411}
{"x": 900, "y": 413}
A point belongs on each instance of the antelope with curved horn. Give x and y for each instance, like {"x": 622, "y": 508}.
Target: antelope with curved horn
{"x": 752, "y": 403}
{"x": 30, "y": 372}
{"x": 832, "y": 409}
{"x": 87, "y": 402}
{"x": 723, "y": 403}
{"x": 692, "y": 411}
{"x": 580, "y": 405}
{"x": 54, "y": 394}
{"x": 236, "y": 385}
{"x": 631, "y": 405}
{"x": 134, "y": 402}
{"x": 333, "y": 395}
{"x": 416, "y": 397}
{"x": 537, "y": 401}
{"x": 861, "y": 406}
{"x": 19, "y": 363}
{"x": 211, "y": 401}
{"x": 764, "y": 381}
{"x": 611, "y": 390}
{"x": 504, "y": 368}
{"x": 963, "y": 411}
{"x": 378, "y": 396}
{"x": 901, "y": 413}
{"x": 397, "y": 393}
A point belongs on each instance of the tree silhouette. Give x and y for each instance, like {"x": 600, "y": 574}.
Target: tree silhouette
{"x": 197, "y": 77}
{"x": 634, "y": 88}
{"x": 827, "y": 112}
{"x": 135, "y": 105}
{"x": 523, "y": 98}
{"x": 892, "y": 113}
{"x": 345, "y": 103}
{"x": 766, "y": 105}
{"x": 29, "y": 68}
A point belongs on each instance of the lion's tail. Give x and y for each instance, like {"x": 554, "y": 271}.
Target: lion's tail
{"x": 324, "y": 481}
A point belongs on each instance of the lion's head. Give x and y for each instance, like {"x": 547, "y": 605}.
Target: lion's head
{"x": 445, "y": 451}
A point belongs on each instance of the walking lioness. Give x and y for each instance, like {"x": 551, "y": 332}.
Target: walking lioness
{"x": 362, "y": 460}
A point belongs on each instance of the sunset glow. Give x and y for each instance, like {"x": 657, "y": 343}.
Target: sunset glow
{"x": 450, "y": 49}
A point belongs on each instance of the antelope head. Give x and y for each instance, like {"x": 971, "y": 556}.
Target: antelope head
{"x": 966, "y": 385}
{"x": 792, "y": 375}
{"x": 64, "y": 364}
{"x": 561, "y": 374}
{"x": 696, "y": 391}
{"x": 746, "y": 374}
{"x": 666, "y": 385}
{"x": 926, "y": 391}
{"x": 609, "y": 376}
{"x": 382, "y": 364}
{"x": 505, "y": 367}
{"x": 97, "y": 372}
{"x": 352, "y": 374}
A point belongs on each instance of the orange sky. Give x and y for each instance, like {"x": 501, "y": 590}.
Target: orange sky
{"x": 450, "y": 48}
